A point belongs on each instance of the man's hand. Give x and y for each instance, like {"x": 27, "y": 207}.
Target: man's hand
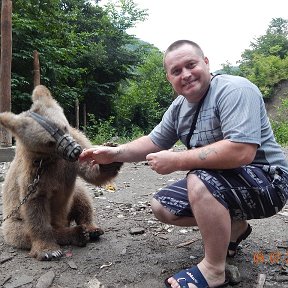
{"x": 99, "y": 155}
{"x": 163, "y": 162}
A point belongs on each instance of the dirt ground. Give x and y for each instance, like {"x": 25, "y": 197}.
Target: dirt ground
{"x": 138, "y": 251}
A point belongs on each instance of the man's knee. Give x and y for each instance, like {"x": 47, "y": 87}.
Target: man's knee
{"x": 157, "y": 209}
{"x": 161, "y": 213}
{"x": 196, "y": 188}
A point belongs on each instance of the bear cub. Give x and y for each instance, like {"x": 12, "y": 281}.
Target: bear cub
{"x": 45, "y": 203}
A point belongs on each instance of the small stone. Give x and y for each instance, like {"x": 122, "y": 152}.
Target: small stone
{"x": 72, "y": 264}
{"x": 192, "y": 257}
{"x": 45, "y": 280}
{"x": 281, "y": 278}
{"x": 164, "y": 237}
{"x": 163, "y": 271}
{"x": 5, "y": 258}
{"x": 137, "y": 231}
{"x": 94, "y": 283}
{"x": 232, "y": 274}
{"x": 98, "y": 193}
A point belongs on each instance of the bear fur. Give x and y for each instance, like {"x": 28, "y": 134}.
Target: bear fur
{"x": 59, "y": 210}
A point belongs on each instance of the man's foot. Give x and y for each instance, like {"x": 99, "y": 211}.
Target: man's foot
{"x": 237, "y": 237}
{"x": 193, "y": 277}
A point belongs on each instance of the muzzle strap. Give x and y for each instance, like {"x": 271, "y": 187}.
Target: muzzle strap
{"x": 66, "y": 146}
{"x": 47, "y": 124}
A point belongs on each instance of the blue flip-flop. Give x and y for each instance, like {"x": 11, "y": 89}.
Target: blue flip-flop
{"x": 194, "y": 276}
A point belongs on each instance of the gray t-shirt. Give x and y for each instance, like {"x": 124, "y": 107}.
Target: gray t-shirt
{"x": 233, "y": 109}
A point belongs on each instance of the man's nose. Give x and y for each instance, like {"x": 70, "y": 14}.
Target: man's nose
{"x": 186, "y": 73}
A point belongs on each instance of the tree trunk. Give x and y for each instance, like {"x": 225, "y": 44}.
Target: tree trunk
{"x": 84, "y": 116}
{"x": 36, "y": 68}
{"x": 5, "y": 69}
{"x": 77, "y": 113}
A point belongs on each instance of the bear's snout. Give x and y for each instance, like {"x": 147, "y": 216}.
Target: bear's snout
{"x": 68, "y": 148}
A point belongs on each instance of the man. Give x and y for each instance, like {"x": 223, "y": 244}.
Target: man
{"x": 236, "y": 169}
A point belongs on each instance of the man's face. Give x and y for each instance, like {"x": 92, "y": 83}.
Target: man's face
{"x": 188, "y": 72}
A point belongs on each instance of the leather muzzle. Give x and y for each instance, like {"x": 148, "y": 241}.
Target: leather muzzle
{"x": 66, "y": 146}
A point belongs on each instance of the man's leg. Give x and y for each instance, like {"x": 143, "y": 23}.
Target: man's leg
{"x": 214, "y": 223}
{"x": 238, "y": 228}
{"x": 215, "y": 227}
{"x": 165, "y": 216}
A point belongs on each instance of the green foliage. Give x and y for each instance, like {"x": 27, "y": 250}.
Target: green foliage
{"x": 266, "y": 63}
{"x": 125, "y": 13}
{"x": 266, "y": 72}
{"x": 227, "y": 68}
{"x": 100, "y": 131}
{"x": 44, "y": 26}
{"x": 280, "y": 123}
{"x": 280, "y": 130}
{"x": 84, "y": 53}
{"x": 143, "y": 99}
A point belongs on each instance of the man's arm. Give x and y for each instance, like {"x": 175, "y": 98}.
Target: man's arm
{"x": 133, "y": 151}
{"x": 223, "y": 154}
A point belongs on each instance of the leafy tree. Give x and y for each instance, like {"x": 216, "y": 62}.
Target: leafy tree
{"x": 266, "y": 72}
{"x": 144, "y": 98}
{"x": 124, "y": 13}
{"x": 265, "y": 63}
{"x": 84, "y": 53}
{"x": 121, "y": 53}
{"x": 227, "y": 68}
{"x": 274, "y": 42}
{"x": 44, "y": 26}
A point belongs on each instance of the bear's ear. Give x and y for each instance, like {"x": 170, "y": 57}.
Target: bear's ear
{"x": 41, "y": 93}
{"x": 10, "y": 121}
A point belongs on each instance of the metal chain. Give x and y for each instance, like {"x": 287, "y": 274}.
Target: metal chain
{"x": 31, "y": 189}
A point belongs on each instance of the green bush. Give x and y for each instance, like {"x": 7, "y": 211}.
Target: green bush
{"x": 101, "y": 131}
{"x": 280, "y": 130}
{"x": 280, "y": 122}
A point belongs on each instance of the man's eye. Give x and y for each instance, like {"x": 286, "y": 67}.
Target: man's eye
{"x": 190, "y": 65}
{"x": 176, "y": 72}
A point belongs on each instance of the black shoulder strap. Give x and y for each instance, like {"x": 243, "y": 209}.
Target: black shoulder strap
{"x": 193, "y": 125}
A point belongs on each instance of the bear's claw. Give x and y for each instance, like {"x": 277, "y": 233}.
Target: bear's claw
{"x": 54, "y": 255}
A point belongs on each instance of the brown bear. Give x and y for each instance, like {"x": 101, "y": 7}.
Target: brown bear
{"x": 45, "y": 204}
